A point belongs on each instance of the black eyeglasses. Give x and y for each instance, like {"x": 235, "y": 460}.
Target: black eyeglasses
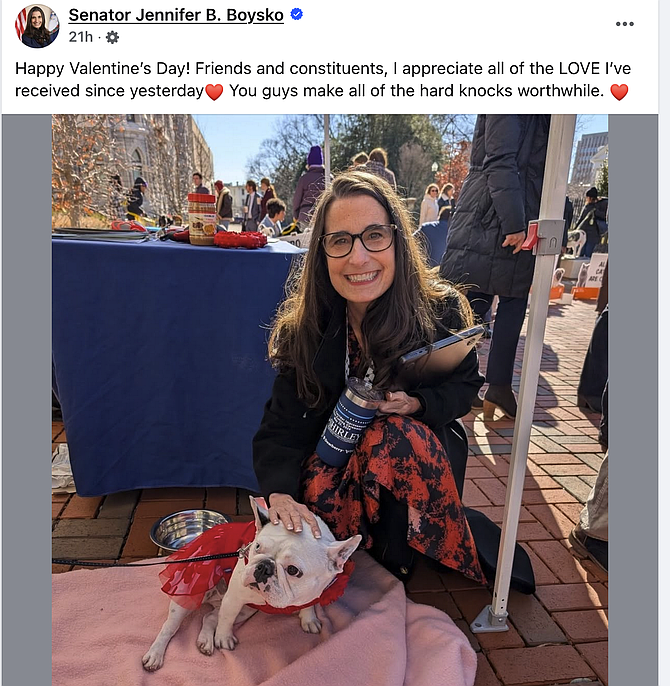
{"x": 375, "y": 238}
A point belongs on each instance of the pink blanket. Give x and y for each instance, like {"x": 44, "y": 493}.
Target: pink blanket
{"x": 104, "y": 620}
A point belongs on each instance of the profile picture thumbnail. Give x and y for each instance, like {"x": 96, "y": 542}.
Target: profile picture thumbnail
{"x": 37, "y": 26}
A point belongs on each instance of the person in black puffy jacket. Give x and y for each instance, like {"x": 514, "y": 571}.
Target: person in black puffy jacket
{"x": 500, "y": 195}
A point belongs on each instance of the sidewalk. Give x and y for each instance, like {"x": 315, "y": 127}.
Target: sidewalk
{"x": 556, "y": 635}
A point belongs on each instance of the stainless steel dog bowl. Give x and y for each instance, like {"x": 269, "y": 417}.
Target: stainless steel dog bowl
{"x": 176, "y": 530}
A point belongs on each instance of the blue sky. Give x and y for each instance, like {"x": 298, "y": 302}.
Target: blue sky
{"x": 234, "y": 138}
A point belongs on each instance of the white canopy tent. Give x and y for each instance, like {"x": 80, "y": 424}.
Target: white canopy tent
{"x": 548, "y": 230}
{"x": 326, "y": 146}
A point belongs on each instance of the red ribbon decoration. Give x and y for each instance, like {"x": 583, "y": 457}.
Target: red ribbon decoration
{"x": 245, "y": 239}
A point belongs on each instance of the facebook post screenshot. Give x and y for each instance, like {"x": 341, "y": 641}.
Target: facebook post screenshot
{"x": 325, "y": 314}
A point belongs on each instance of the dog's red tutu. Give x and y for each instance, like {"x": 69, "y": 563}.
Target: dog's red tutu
{"x": 188, "y": 583}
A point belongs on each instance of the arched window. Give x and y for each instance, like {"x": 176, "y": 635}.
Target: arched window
{"x": 136, "y": 164}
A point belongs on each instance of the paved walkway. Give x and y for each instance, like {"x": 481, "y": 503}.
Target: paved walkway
{"x": 558, "y": 634}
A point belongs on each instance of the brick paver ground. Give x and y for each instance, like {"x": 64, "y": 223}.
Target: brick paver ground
{"x": 558, "y": 634}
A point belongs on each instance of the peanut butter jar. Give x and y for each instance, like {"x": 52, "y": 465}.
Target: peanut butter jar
{"x": 201, "y": 218}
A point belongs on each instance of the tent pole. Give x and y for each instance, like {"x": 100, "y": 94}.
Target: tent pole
{"x": 550, "y": 233}
{"x": 326, "y": 146}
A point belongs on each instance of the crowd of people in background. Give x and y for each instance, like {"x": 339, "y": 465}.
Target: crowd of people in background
{"x": 257, "y": 199}
{"x": 435, "y": 211}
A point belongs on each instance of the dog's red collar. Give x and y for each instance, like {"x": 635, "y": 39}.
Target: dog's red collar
{"x": 330, "y": 594}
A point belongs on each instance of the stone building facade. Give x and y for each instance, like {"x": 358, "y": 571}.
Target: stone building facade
{"x": 165, "y": 150}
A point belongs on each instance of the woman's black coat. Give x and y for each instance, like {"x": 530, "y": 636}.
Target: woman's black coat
{"x": 135, "y": 200}
{"x": 500, "y": 195}
{"x": 31, "y": 42}
{"x": 289, "y": 430}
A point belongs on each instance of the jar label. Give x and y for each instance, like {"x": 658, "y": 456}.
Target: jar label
{"x": 202, "y": 224}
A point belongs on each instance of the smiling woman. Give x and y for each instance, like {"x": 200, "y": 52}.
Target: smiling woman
{"x": 363, "y": 298}
{"x": 37, "y": 26}
{"x": 360, "y": 271}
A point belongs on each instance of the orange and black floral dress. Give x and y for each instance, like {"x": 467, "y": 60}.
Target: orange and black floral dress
{"x": 404, "y": 456}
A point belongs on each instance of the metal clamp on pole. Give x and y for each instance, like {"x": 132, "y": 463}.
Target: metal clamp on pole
{"x": 544, "y": 236}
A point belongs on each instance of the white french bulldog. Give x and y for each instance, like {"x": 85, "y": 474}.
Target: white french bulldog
{"x": 284, "y": 569}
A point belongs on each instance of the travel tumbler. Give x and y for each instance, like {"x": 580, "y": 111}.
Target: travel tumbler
{"x": 355, "y": 409}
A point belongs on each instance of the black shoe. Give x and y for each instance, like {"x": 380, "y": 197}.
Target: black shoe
{"x": 398, "y": 559}
{"x": 390, "y": 547}
{"x": 593, "y": 548}
{"x": 590, "y": 403}
{"x": 501, "y": 397}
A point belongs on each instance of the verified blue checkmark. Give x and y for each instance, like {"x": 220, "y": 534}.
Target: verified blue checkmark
{"x": 296, "y": 13}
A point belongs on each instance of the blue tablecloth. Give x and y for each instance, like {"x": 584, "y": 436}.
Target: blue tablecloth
{"x": 160, "y": 360}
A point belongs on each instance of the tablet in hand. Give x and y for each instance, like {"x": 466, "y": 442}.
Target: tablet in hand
{"x": 439, "y": 358}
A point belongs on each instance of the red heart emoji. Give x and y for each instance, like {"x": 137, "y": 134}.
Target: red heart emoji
{"x": 215, "y": 91}
{"x": 619, "y": 92}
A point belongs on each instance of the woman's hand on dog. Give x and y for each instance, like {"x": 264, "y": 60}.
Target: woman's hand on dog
{"x": 283, "y": 507}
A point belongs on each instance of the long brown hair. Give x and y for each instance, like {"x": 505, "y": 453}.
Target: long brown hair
{"x": 41, "y": 35}
{"x": 266, "y": 181}
{"x": 400, "y": 320}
